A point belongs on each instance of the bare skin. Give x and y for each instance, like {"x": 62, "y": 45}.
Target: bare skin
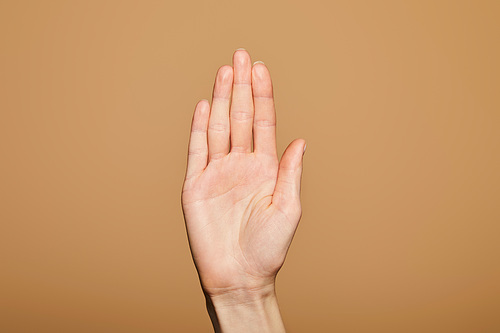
{"x": 241, "y": 205}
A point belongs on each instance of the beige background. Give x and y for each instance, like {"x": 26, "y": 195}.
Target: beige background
{"x": 399, "y": 104}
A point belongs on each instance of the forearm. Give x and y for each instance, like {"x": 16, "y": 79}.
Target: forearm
{"x": 246, "y": 311}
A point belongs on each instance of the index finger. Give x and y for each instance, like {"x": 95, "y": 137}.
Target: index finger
{"x": 264, "y": 125}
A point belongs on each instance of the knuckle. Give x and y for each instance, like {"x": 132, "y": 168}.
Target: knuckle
{"x": 218, "y": 127}
{"x": 241, "y": 115}
{"x": 240, "y": 149}
{"x": 199, "y": 130}
{"x": 196, "y": 151}
{"x": 265, "y": 122}
{"x": 217, "y": 156}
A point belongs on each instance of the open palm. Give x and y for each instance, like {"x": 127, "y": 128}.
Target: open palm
{"x": 241, "y": 207}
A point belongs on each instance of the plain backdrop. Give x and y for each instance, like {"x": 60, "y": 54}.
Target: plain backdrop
{"x": 398, "y": 102}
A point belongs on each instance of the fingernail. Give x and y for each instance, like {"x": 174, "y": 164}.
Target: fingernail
{"x": 241, "y": 48}
{"x": 259, "y": 62}
{"x": 305, "y": 146}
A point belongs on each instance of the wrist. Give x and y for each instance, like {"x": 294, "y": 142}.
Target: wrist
{"x": 227, "y": 297}
{"x": 245, "y": 310}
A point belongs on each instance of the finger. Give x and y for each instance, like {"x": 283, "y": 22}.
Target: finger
{"x": 198, "y": 146}
{"x": 241, "y": 113}
{"x": 286, "y": 196}
{"x": 264, "y": 125}
{"x": 218, "y": 125}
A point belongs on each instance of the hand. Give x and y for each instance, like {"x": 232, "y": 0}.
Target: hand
{"x": 241, "y": 207}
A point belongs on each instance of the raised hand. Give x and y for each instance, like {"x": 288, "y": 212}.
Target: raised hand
{"x": 241, "y": 205}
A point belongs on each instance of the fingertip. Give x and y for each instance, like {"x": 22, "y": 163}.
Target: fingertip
{"x": 225, "y": 73}
{"x": 299, "y": 145}
{"x": 259, "y": 70}
{"x": 202, "y": 105}
{"x": 261, "y": 80}
{"x": 293, "y": 157}
{"x": 241, "y": 57}
{"x": 202, "y": 111}
{"x": 304, "y": 145}
{"x": 223, "y": 83}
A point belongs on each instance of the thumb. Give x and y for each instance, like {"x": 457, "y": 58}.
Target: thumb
{"x": 286, "y": 197}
